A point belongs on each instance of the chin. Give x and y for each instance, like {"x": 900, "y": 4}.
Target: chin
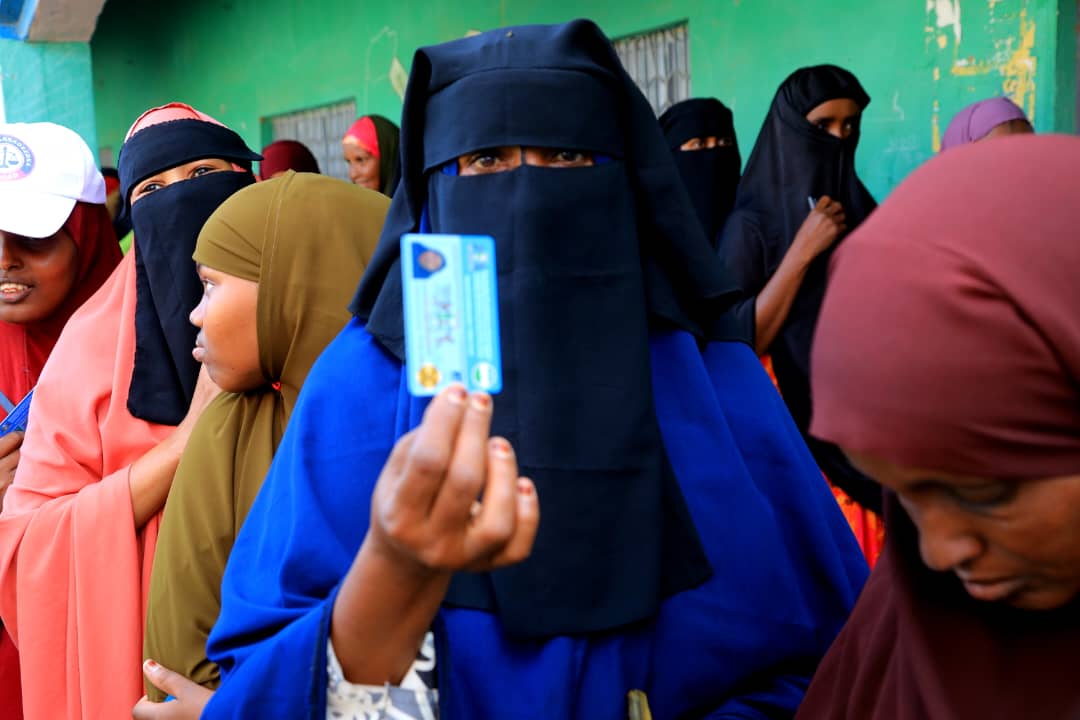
{"x": 1041, "y": 599}
{"x": 22, "y": 315}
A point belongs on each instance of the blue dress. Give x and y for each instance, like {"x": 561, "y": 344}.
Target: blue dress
{"x": 742, "y": 645}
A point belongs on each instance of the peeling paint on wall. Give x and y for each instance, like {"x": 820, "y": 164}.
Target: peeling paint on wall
{"x": 1013, "y": 59}
{"x": 1010, "y": 54}
{"x": 381, "y": 44}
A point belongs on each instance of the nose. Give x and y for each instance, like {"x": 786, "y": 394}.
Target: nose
{"x": 197, "y": 315}
{"x": 10, "y": 258}
{"x": 946, "y": 542}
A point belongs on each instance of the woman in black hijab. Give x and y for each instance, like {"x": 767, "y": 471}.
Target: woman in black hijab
{"x": 701, "y": 135}
{"x": 797, "y": 199}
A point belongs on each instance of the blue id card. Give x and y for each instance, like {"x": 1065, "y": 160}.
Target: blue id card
{"x": 451, "y": 312}
{"x": 16, "y": 419}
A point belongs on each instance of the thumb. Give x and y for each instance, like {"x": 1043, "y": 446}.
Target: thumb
{"x": 164, "y": 679}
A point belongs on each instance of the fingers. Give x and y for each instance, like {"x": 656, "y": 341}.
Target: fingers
{"x": 527, "y": 523}
{"x": 10, "y": 443}
{"x": 165, "y": 679}
{"x": 190, "y": 697}
{"x": 468, "y": 469}
{"x": 429, "y": 456}
{"x": 822, "y": 203}
{"x": 496, "y": 520}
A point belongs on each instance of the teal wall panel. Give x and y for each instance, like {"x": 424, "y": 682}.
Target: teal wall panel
{"x": 49, "y": 82}
{"x": 921, "y": 60}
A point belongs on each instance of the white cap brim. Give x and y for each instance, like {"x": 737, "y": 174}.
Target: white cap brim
{"x": 35, "y": 215}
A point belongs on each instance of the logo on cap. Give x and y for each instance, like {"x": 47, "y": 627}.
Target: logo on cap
{"x": 16, "y": 160}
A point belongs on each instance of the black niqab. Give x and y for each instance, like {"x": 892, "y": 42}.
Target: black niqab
{"x": 791, "y": 166}
{"x": 590, "y": 259}
{"x": 711, "y": 175}
{"x": 167, "y": 223}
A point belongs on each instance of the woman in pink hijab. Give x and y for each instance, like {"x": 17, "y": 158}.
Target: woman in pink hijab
{"x": 112, "y": 411}
{"x": 370, "y": 148}
{"x": 986, "y": 119}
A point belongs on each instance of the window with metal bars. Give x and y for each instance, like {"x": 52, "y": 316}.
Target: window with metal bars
{"x": 321, "y": 130}
{"x": 659, "y": 62}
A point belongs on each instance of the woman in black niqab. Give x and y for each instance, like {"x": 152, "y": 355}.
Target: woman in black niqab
{"x": 701, "y": 135}
{"x": 799, "y": 196}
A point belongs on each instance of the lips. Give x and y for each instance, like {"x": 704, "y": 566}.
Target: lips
{"x": 13, "y": 292}
{"x": 993, "y": 590}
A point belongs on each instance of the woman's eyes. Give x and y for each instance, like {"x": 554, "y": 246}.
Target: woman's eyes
{"x": 148, "y": 188}
{"x": 484, "y": 160}
{"x": 569, "y": 157}
{"x": 204, "y": 170}
{"x": 985, "y": 497}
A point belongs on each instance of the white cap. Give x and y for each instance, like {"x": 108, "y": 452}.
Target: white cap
{"x": 44, "y": 170}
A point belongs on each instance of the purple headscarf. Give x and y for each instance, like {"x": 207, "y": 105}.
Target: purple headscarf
{"x": 976, "y": 120}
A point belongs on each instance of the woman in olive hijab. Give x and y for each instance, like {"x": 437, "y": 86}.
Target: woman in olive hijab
{"x": 279, "y": 263}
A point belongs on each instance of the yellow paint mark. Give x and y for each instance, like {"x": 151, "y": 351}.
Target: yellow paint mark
{"x": 935, "y": 128}
{"x": 1018, "y": 71}
{"x": 942, "y": 41}
{"x": 937, "y": 74}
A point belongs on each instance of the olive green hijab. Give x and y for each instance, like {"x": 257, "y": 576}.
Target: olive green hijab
{"x": 306, "y": 240}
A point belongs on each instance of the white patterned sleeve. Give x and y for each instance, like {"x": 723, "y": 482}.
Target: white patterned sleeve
{"x": 416, "y": 698}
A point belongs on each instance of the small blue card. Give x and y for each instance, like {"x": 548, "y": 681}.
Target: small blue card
{"x": 16, "y": 419}
{"x": 451, "y": 313}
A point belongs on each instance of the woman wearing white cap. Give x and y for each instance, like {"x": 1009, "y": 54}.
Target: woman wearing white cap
{"x": 57, "y": 247}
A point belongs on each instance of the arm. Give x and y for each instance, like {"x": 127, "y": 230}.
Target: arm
{"x": 818, "y": 232}
{"x": 425, "y": 525}
{"x": 152, "y": 474}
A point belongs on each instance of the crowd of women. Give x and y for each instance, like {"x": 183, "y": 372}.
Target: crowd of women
{"x": 226, "y": 503}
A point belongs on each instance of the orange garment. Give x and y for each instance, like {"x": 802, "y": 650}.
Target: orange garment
{"x": 868, "y": 528}
{"x": 74, "y": 570}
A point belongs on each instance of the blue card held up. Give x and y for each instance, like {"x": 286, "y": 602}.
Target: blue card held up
{"x": 16, "y": 419}
{"x": 451, "y": 313}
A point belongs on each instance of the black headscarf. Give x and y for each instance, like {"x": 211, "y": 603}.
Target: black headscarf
{"x": 590, "y": 259}
{"x": 166, "y": 223}
{"x": 792, "y": 164}
{"x": 388, "y": 135}
{"x": 711, "y": 175}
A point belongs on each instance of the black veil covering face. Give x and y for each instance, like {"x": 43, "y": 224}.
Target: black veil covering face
{"x": 167, "y": 223}
{"x": 590, "y": 260}
{"x": 792, "y": 165}
{"x": 711, "y": 175}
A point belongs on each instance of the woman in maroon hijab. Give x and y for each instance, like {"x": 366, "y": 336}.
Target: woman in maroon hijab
{"x": 947, "y": 366}
{"x": 281, "y": 156}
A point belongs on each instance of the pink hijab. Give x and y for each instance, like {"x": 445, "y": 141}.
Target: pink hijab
{"x": 74, "y": 569}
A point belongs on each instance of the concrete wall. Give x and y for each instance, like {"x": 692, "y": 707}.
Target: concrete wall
{"x": 920, "y": 60}
{"x": 49, "y": 82}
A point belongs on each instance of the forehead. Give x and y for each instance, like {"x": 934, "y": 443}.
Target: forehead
{"x": 837, "y": 107}
{"x": 900, "y": 477}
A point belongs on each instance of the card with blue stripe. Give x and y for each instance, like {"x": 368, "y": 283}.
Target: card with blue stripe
{"x": 16, "y": 419}
{"x": 450, "y": 288}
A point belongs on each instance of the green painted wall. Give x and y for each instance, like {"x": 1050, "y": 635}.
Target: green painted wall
{"x": 49, "y": 82}
{"x": 921, "y": 60}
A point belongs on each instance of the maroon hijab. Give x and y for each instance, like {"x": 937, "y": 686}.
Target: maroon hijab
{"x": 282, "y": 155}
{"x": 950, "y": 339}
